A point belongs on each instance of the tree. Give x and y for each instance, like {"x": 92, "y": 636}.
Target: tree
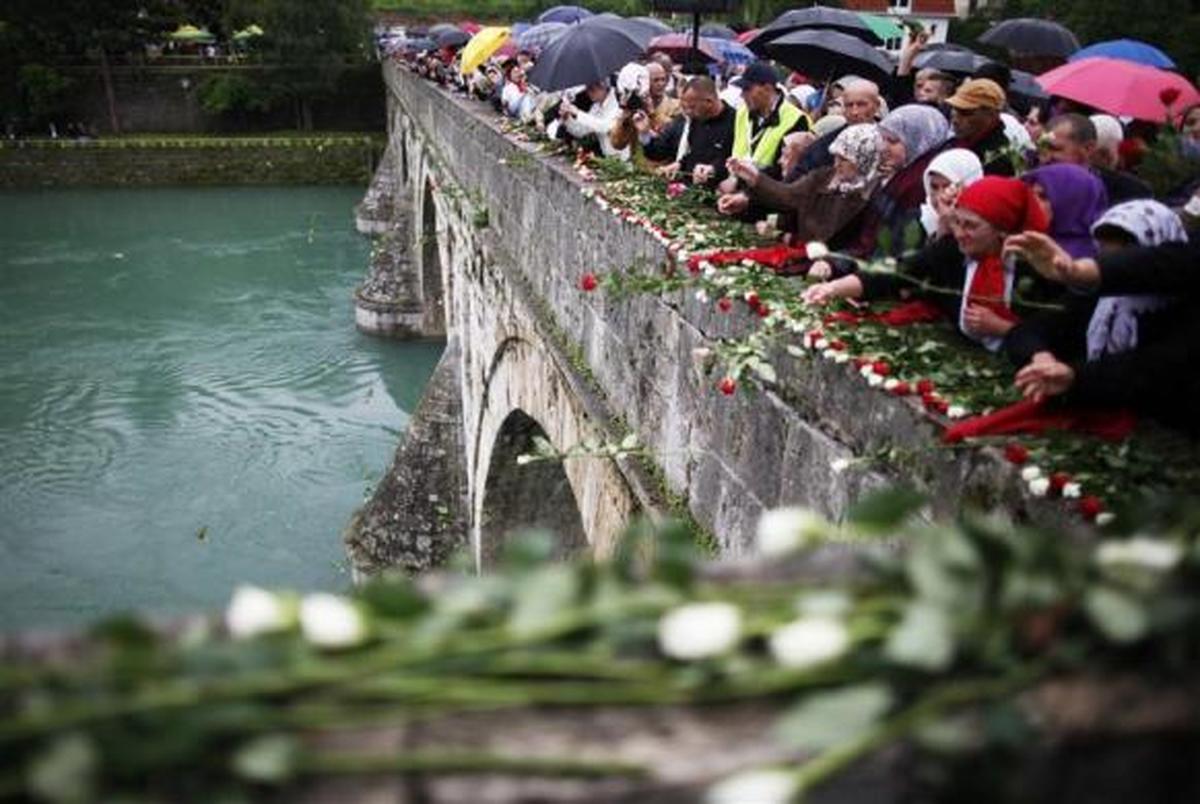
{"x": 311, "y": 42}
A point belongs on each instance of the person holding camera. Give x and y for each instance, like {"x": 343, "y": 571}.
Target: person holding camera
{"x": 693, "y": 147}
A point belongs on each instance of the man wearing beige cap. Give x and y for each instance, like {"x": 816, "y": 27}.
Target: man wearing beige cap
{"x": 975, "y": 116}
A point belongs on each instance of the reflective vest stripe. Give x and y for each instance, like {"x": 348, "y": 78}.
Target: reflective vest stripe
{"x": 765, "y": 147}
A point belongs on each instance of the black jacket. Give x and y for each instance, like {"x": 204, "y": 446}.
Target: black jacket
{"x": 1123, "y": 186}
{"x": 710, "y": 142}
{"x": 993, "y": 144}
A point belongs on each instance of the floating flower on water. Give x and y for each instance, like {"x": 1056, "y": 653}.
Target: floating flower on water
{"x": 784, "y": 530}
{"x": 699, "y": 630}
{"x": 727, "y": 386}
{"x": 253, "y": 611}
{"x": 588, "y": 283}
{"x": 809, "y": 642}
{"x": 332, "y": 621}
{"x": 759, "y": 787}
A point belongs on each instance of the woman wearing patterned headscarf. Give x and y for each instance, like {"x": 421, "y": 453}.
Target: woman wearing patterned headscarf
{"x": 911, "y": 132}
{"x": 822, "y": 201}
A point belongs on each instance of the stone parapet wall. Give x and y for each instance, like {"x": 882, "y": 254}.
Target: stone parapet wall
{"x": 729, "y": 457}
{"x": 27, "y": 164}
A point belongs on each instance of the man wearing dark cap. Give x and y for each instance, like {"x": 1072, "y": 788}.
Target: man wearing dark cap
{"x": 765, "y": 117}
{"x": 975, "y": 116}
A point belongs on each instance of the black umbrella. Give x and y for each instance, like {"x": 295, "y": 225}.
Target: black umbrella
{"x": 658, "y": 25}
{"x": 715, "y": 30}
{"x": 1032, "y": 36}
{"x": 825, "y": 53}
{"x": 956, "y": 60}
{"x": 567, "y": 14}
{"x": 633, "y": 27}
{"x": 584, "y": 54}
{"x": 441, "y": 27}
{"x": 1025, "y": 86}
{"x": 455, "y": 38}
{"x": 819, "y": 18}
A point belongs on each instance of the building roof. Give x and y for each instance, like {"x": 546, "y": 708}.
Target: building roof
{"x": 936, "y": 8}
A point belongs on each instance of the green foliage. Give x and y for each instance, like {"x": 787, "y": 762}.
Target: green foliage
{"x": 231, "y": 93}
{"x": 44, "y": 90}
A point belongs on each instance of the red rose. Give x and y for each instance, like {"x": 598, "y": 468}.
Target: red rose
{"x": 588, "y": 283}
{"x": 694, "y": 266}
{"x": 1168, "y": 95}
{"x": 881, "y": 368}
{"x": 1059, "y": 480}
{"x": 902, "y": 389}
{"x": 859, "y": 362}
{"x": 1091, "y": 507}
{"x": 1016, "y": 454}
{"x": 837, "y": 345}
{"x": 925, "y": 387}
{"x": 764, "y": 310}
{"x": 724, "y": 304}
{"x": 727, "y": 386}
{"x": 752, "y": 300}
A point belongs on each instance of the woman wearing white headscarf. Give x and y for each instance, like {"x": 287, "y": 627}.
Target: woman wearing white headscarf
{"x": 947, "y": 175}
{"x": 823, "y": 201}
{"x": 1081, "y": 349}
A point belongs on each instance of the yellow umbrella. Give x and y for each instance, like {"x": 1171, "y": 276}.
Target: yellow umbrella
{"x": 483, "y": 45}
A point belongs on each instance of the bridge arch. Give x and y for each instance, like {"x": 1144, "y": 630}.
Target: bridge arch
{"x": 433, "y": 293}
{"x": 523, "y": 393}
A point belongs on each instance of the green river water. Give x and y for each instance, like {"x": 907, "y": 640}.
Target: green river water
{"x": 185, "y": 402}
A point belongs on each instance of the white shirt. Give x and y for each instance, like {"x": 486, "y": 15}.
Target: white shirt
{"x": 990, "y": 342}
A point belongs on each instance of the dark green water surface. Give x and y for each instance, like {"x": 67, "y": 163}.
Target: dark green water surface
{"x": 184, "y": 401}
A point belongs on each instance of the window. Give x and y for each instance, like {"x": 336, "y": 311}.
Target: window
{"x": 897, "y": 6}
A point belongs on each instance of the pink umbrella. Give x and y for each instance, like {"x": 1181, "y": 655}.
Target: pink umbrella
{"x": 471, "y": 27}
{"x": 1121, "y": 88}
{"x": 746, "y": 36}
{"x": 679, "y": 47}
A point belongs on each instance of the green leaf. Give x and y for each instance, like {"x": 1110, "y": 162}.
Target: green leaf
{"x": 1121, "y": 617}
{"x": 833, "y": 718}
{"x": 527, "y": 549}
{"x": 923, "y": 639}
{"x": 765, "y": 371}
{"x": 270, "y": 759}
{"x": 886, "y": 509}
{"x": 542, "y": 597}
{"x": 393, "y": 597}
{"x": 66, "y": 771}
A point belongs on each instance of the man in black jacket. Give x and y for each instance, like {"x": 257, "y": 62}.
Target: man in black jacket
{"x": 696, "y": 145}
{"x": 1071, "y": 138}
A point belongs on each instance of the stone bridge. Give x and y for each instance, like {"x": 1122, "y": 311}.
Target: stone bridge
{"x": 485, "y": 241}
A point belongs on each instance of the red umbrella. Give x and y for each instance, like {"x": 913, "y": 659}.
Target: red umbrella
{"x": 746, "y": 36}
{"x": 1122, "y": 88}
{"x": 679, "y": 47}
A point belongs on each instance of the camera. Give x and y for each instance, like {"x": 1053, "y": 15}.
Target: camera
{"x": 632, "y": 101}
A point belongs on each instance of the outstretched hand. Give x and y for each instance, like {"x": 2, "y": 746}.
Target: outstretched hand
{"x": 1044, "y": 376}
{"x": 1051, "y": 260}
{"x": 744, "y": 169}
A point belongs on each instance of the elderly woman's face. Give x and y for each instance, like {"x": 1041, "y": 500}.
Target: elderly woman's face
{"x": 976, "y": 237}
{"x": 894, "y": 153}
{"x": 844, "y": 169}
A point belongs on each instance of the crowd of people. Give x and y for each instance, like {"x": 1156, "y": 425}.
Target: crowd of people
{"x": 1021, "y": 222}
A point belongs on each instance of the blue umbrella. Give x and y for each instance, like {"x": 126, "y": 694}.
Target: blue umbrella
{"x": 732, "y": 52}
{"x": 540, "y": 35}
{"x": 715, "y": 30}
{"x": 1127, "y": 50}
{"x": 519, "y": 28}
{"x": 656, "y": 24}
{"x": 418, "y": 45}
{"x": 566, "y": 14}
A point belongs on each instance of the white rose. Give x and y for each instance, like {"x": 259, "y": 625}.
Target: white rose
{"x": 253, "y": 611}
{"x": 331, "y": 621}
{"x": 956, "y": 412}
{"x": 874, "y": 380}
{"x": 1039, "y": 486}
{"x": 821, "y": 344}
{"x": 701, "y": 297}
{"x": 830, "y": 354}
{"x": 1072, "y": 491}
{"x": 699, "y": 630}
{"x": 782, "y": 530}
{"x": 753, "y": 787}
{"x": 1104, "y": 518}
{"x": 840, "y": 465}
{"x": 1159, "y": 555}
{"x": 1030, "y": 473}
{"x": 809, "y": 641}
{"x": 842, "y": 357}
{"x": 817, "y": 250}
{"x": 890, "y": 383}
{"x": 867, "y": 370}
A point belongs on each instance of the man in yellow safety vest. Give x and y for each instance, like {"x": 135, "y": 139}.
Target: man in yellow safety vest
{"x": 765, "y": 117}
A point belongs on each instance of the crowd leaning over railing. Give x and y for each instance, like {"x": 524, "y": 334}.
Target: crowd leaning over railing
{"x": 1019, "y": 217}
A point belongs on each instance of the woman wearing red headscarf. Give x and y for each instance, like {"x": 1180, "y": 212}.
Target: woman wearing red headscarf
{"x": 963, "y": 278}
